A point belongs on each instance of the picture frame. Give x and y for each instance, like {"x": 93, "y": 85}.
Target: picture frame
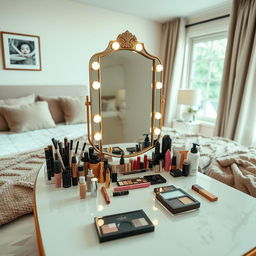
{"x": 21, "y": 51}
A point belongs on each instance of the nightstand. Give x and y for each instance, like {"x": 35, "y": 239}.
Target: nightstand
{"x": 186, "y": 127}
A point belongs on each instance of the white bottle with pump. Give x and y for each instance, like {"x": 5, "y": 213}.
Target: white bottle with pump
{"x": 193, "y": 157}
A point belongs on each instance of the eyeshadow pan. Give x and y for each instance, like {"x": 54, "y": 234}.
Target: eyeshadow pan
{"x": 186, "y": 200}
{"x": 172, "y": 194}
{"x": 109, "y": 228}
{"x": 175, "y": 203}
{"x": 139, "y": 222}
{"x": 129, "y": 182}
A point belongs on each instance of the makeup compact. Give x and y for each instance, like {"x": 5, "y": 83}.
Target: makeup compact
{"x": 122, "y": 225}
{"x": 176, "y": 173}
{"x": 155, "y": 179}
{"x": 131, "y": 181}
{"x": 176, "y": 200}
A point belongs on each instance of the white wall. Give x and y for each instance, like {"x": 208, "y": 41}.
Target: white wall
{"x": 70, "y": 33}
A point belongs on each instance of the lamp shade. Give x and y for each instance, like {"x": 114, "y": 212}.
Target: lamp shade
{"x": 189, "y": 97}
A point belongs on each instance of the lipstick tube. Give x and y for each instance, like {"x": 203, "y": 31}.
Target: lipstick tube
{"x": 204, "y": 193}
{"x": 134, "y": 186}
{"x": 145, "y": 161}
{"x": 105, "y": 195}
{"x": 138, "y": 163}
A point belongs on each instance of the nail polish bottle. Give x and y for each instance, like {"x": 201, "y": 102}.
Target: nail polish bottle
{"x": 57, "y": 174}
{"x": 82, "y": 187}
{"x": 66, "y": 178}
{"x": 89, "y": 180}
{"x": 74, "y": 171}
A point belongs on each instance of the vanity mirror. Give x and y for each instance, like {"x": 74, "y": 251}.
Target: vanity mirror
{"x": 125, "y": 100}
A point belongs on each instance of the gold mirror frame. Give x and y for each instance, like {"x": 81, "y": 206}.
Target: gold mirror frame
{"x": 124, "y": 41}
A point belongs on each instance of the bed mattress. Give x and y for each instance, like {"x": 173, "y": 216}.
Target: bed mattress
{"x": 15, "y": 143}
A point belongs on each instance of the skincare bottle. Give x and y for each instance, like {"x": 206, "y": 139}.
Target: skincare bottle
{"x": 57, "y": 174}
{"x": 94, "y": 187}
{"x": 107, "y": 178}
{"x": 94, "y": 164}
{"x": 193, "y": 157}
{"x": 186, "y": 167}
{"x": 88, "y": 180}
{"x": 74, "y": 171}
{"x": 82, "y": 187}
{"x": 66, "y": 178}
{"x": 86, "y": 162}
{"x": 122, "y": 163}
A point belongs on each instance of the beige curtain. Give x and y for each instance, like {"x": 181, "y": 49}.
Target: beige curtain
{"x": 172, "y": 55}
{"x": 237, "y": 105}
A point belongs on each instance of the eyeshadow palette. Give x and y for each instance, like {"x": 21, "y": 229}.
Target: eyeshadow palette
{"x": 122, "y": 225}
{"x": 176, "y": 200}
{"x": 164, "y": 189}
{"x": 155, "y": 179}
{"x": 131, "y": 181}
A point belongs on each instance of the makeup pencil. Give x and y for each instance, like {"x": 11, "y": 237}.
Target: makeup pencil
{"x": 105, "y": 195}
{"x": 70, "y": 151}
{"x": 55, "y": 144}
{"x": 81, "y": 154}
{"x": 77, "y": 144}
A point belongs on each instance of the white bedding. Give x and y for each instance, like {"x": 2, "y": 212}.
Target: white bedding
{"x": 14, "y": 143}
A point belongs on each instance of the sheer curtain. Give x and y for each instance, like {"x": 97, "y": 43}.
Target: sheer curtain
{"x": 172, "y": 55}
{"x": 237, "y": 106}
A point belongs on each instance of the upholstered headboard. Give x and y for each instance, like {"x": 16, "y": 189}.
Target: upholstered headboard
{"x": 55, "y": 90}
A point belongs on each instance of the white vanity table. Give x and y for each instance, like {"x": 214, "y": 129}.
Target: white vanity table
{"x": 225, "y": 227}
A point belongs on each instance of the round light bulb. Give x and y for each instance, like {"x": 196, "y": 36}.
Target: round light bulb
{"x": 158, "y": 115}
{"x": 97, "y": 136}
{"x": 159, "y": 85}
{"x": 97, "y": 119}
{"x": 115, "y": 46}
{"x": 96, "y": 85}
{"x": 159, "y": 68}
{"x": 157, "y": 131}
{"x": 138, "y": 47}
{"x": 95, "y": 65}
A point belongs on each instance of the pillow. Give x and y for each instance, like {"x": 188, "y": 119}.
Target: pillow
{"x": 108, "y": 105}
{"x": 15, "y": 101}
{"x": 54, "y": 107}
{"x": 73, "y": 109}
{"x": 29, "y": 117}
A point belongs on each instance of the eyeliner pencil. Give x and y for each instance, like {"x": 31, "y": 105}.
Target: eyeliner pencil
{"x": 58, "y": 154}
{"x": 81, "y": 153}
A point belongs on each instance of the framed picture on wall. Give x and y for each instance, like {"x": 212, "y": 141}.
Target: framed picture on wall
{"x": 20, "y": 51}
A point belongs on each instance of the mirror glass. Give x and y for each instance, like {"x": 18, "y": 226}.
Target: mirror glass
{"x": 126, "y": 97}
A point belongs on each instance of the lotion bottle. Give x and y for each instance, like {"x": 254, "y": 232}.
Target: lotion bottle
{"x": 193, "y": 157}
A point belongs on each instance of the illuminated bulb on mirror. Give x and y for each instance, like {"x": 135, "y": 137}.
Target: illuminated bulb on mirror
{"x": 159, "y": 68}
{"x": 157, "y": 131}
{"x": 95, "y": 85}
{"x": 97, "y": 119}
{"x": 159, "y": 85}
{"x": 138, "y": 47}
{"x": 97, "y": 136}
{"x": 158, "y": 115}
{"x": 115, "y": 46}
{"x": 95, "y": 65}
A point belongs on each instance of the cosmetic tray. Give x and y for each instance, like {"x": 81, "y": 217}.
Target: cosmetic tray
{"x": 122, "y": 225}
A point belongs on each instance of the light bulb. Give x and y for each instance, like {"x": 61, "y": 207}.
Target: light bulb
{"x": 96, "y": 85}
{"x": 157, "y": 131}
{"x": 115, "y": 46}
{"x": 158, "y": 115}
{"x": 138, "y": 47}
{"x": 97, "y": 119}
{"x": 159, "y": 85}
{"x": 95, "y": 65}
{"x": 97, "y": 136}
{"x": 159, "y": 68}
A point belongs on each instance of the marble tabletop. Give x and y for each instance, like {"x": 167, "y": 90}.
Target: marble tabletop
{"x": 225, "y": 227}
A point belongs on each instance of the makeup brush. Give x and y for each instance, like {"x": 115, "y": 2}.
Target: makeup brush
{"x": 81, "y": 153}
{"x": 55, "y": 144}
{"x": 70, "y": 151}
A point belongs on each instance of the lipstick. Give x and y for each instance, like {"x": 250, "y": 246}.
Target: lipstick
{"x": 105, "y": 195}
{"x": 204, "y": 193}
{"x": 145, "y": 162}
{"x": 167, "y": 160}
{"x": 134, "y": 186}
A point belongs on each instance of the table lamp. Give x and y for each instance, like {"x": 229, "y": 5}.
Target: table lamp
{"x": 191, "y": 98}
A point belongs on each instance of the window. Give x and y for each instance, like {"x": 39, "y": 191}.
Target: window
{"x": 207, "y": 55}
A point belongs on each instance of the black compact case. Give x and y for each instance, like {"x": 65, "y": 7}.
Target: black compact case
{"x": 122, "y": 225}
{"x": 176, "y": 200}
{"x": 155, "y": 179}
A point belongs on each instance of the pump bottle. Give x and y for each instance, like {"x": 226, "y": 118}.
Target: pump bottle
{"x": 193, "y": 157}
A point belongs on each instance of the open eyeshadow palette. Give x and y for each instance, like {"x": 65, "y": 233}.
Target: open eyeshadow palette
{"x": 131, "y": 181}
{"x": 122, "y": 225}
{"x": 175, "y": 199}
